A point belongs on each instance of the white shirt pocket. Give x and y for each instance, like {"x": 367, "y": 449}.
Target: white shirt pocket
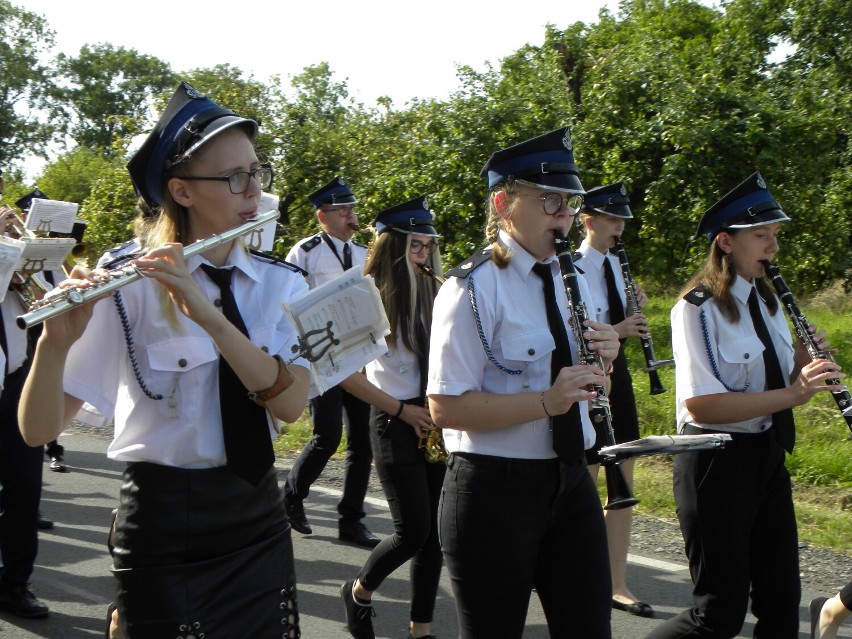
{"x": 737, "y": 359}
{"x": 183, "y": 371}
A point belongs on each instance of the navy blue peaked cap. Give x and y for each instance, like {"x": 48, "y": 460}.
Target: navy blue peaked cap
{"x": 189, "y": 120}
{"x": 413, "y": 216}
{"x": 334, "y": 193}
{"x": 26, "y": 201}
{"x": 546, "y": 160}
{"x": 749, "y": 204}
{"x": 610, "y": 200}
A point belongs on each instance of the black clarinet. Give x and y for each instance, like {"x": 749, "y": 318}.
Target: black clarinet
{"x": 618, "y": 491}
{"x": 801, "y": 326}
{"x": 651, "y": 361}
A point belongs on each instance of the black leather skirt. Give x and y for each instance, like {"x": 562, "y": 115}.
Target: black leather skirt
{"x": 203, "y": 553}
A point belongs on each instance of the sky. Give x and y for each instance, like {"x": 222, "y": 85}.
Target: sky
{"x": 397, "y": 48}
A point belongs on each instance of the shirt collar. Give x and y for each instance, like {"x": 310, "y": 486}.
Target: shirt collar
{"x": 591, "y": 255}
{"x": 741, "y": 289}
{"x": 239, "y": 258}
{"x": 522, "y": 261}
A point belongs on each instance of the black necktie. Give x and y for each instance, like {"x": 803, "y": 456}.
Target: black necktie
{"x": 616, "y": 310}
{"x": 567, "y": 428}
{"x": 347, "y": 257}
{"x": 782, "y": 421}
{"x": 248, "y": 446}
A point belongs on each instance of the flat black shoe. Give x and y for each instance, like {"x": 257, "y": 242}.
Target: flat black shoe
{"x": 57, "y": 465}
{"x": 358, "y": 534}
{"x": 44, "y": 524}
{"x": 815, "y": 608}
{"x": 638, "y": 608}
{"x": 20, "y": 600}
{"x": 359, "y": 620}
{"x": 296, "y": 514}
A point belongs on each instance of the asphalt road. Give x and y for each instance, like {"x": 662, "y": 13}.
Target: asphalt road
{"x": 72, "y": 573}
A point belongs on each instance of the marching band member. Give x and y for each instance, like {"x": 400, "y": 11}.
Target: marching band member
{"x": 201, "y": 539}
{"x": 737, "y": 372}
{"x": 324, "y": 256}
{"x": 603, "y": 215}
{"x": 395, "y": 386}
{"x": 519, "y": 509}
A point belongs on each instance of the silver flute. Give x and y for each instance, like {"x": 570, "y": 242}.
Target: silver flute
{"x": 61, "y": 300}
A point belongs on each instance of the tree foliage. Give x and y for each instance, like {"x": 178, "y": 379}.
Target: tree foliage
{"x": 678, "y": 99}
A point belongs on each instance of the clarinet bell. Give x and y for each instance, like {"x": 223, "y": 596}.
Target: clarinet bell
{"x": 618, "y": 493}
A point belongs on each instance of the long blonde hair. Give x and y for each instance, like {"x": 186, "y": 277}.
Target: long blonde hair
{"x": 401, "y": 288}
{"x": 718, "y": 276}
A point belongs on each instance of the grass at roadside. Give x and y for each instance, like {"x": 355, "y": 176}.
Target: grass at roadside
{"x": 821, "y": 464}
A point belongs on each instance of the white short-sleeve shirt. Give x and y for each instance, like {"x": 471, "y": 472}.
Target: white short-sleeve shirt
{"x": 512, "y": 315}
{"x": 315, "y": 256}
{"x": 591, "y": 262}
{"x": 177, "y": 360}
{"x": 734, "y": 347}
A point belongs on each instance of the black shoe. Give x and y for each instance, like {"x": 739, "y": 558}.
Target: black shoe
{"x": 44, "y": 524}
{"x": 57, "y": 464}
{"x": 358, "y": 534}
{"x": 21, "y": 601}
{"x": 296, "y": 514}
{"x": 359, "y": 620}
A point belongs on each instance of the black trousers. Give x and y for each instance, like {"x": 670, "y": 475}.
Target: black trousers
{"x": 412, "y": 487}
{"x": 330, "y": 412}
{"x": 508, "y": 525}
{"x": 735, "y": 508}
{"x": 20, "y": 477}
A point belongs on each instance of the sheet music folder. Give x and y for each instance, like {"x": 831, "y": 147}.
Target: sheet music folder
{"x": 663, "y": 445}
{"x": 350, "y": 308}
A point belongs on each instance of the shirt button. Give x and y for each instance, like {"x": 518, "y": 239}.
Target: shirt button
{"x": 217, "y": 303}
{"x": 265, "y": 349}
{"x": 746, "y": 356}
{"x": 531, "y": 351}
{"x": 182, "y": 362}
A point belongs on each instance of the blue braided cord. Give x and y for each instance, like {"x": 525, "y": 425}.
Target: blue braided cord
{"x": 128, "y": 339}
{"x": 471, "y": 290}
{"x": 712, "y": 359}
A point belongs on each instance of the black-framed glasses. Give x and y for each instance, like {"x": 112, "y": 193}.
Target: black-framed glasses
{"x": 238, "y": 181}
{"x": 552, "y": 203}
{"x": 417, "y": 247}
{"x": 341, "y": 210}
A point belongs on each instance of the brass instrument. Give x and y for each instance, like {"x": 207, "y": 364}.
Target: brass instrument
{"x": 432, "y": 444}
{"x": 801, "y": 326}
{"x": 62, "y": 300}
{"x": 619, "y": 494}
{"x": 651, "y": 362}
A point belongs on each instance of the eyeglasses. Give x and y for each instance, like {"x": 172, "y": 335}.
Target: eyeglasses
{"x": 342, "y": 211}
{"x": 238, "y": 182}
{"x": 552, "y": 203}
{"x": 417, "y": 247}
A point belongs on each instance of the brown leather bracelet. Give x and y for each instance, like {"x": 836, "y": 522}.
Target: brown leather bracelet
{"x": 282, "y": 383}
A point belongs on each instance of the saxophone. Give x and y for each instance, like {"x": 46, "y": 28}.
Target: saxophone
{"x": 432, "y": 442}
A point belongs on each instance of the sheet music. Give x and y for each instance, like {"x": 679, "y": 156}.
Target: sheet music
{"x": 263, "y": 238}
{"x": 10, "y": 252}
{"x": 352, "y": 307}
{"x": 51, "y": 216}
{"x": 45, "y": 254}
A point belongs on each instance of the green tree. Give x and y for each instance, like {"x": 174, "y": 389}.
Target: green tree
{"x": 106, "y": 87}
{"x": 25, "y": 40}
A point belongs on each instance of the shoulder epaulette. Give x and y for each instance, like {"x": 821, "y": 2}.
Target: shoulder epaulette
{"x": 311, "y": 243}
{"x": 271, "y": 259}
{"x": 470, "y": 264}
{"x": 120, "y": 260}
{"x": 698, "y": 295}
{"x": 120, "y": 247}
{"x": 359, "y": 244}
